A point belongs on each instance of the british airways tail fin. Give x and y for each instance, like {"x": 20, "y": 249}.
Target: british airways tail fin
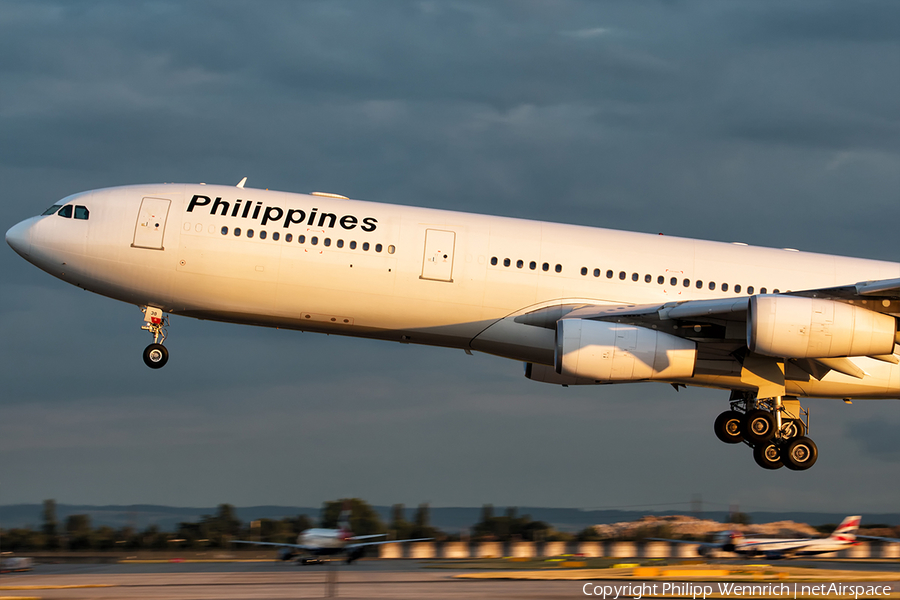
{"x": 846, "y": 531}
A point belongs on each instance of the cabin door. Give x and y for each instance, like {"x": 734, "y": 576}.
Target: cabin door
{"x": 438, "y": 260}
{"x": 151, "y": 223}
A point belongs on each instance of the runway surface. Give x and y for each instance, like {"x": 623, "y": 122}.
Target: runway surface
{"x": 400, "y": 579}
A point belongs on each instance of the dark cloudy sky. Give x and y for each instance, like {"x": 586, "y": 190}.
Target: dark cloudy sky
{"x": 773, "y": 123}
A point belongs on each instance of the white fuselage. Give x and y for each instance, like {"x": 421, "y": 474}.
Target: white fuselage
{"x": 409, "y": 274}
{"x": 798, "y": 547}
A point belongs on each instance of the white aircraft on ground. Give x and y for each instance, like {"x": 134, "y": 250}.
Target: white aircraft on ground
{"x": 316, "y": 543}
{"x": 734, "y": 541}
{"x": 578, "y": 305}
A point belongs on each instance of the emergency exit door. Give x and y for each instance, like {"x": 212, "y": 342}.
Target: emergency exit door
{"x": 151, "y": 223}
{"x": 438, "y": 262}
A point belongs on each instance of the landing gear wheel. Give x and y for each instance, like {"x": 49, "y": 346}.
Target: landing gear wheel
{"x": 156, "y": 356}
{"x": 793, "y": 428}
{"x": 800, "y": 454}
{"x": 728, "y": 427}
{"x": 768, "y": 456}
{"x": 758, "y": 426}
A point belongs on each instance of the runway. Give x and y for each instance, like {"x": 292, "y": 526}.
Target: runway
{"x": 400, "y": 579}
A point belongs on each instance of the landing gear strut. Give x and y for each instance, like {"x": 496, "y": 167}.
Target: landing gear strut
{"x": 155, "y": 355}
{"x": 778, "y": 439}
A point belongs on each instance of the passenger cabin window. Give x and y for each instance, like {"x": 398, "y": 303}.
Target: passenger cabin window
{"x": 596, "y": 272}
{"x": 353, "y": 247}
{"x": 262, "y": 235}
{"x": 699, "y": 284}
{"x": 762, "y": 290}
{"x": 505, "y": 262}
{"x": 378, "y": 248}
{"x": 520, "y": 263}
{"x": 559, "y": 268}
{"x": 249, "y": 233}
{"x": 635, "y": 276}
{"x": 66, "y": 211}
{"x": 609, "y": 274}
{"x": 237, "y": 231}
{"x": 51, "y": 210}
{"x": 493, "y": 258}
{"x": 712, "y": 285}
{"x": 301, "y": 239}
{"x": 327, "y": 241}
{"x": 724, "y": 287}
{"x": 584, "y": 270}
{"x": 545, "y": 266}
{"x": 340, "y": 243}
{"x": 366, "y": 246}
{"x": 288, "y": 237}
{"x": 275, "y": 235}
{"x": 737, "y": 288}
{"x": 648, "y": 278}
{"x": 224, "y": 231}
{"x": 622, "y": 275}
{"x": 750, "y": 289}
{"x": 673, "y": 281}
{"x": 660, "y": 280}
{"x": 391, "y": 249}
{"x": 313, "y": 240}
{"x": 687, "y": 283}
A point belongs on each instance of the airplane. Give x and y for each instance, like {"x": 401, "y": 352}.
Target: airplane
{"x": 319, "y": 542}
{"x": 577, "y": 305}
{"x": 773, "y": 548}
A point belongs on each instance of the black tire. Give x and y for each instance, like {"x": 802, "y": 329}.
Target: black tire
{"x": 792, "y": 428}
{"x": 728, "y": 427}
{"x": 768, "y": 456}
{"x": 800, "y": 453}
{"x": 758, "y": 426}
{"x": 156, "y": 356}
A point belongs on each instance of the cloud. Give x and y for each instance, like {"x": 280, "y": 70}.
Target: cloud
{"x": 876, "y": 437}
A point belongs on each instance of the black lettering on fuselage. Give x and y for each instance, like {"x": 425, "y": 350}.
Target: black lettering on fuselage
{"x": 217, "y": 204}
{"x": 331, "y": 216}
{"x": 274, "y": 214}
{"x": 195, "y": 201}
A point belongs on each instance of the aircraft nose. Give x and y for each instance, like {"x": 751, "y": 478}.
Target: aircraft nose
{"x": 19, "y": 238}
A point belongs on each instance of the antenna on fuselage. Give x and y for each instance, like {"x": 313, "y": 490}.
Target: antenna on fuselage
{"x": 242, "y": 182}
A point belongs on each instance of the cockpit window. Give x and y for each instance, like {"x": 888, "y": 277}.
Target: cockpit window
{"x": 66, "y": 211}
{"x": 51, "y": 210}
{"x": 81, "y": 212}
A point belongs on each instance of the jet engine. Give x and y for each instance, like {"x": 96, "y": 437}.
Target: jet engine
{"x": 795, "y": 327}
{"x": 608, "y": 352}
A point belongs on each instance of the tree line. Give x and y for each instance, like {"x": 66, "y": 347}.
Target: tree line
{"x": 219, "y": 529}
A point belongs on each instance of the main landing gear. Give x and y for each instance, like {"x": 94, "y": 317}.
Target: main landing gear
{"x": 155, "y": 355}
{"x": 778, "y": 439}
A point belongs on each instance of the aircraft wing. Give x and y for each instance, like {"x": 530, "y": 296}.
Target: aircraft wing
{"x": 880, "y": 539}
{"x": 366, "y": 537}
{"x": 279, "y": 545}
{"x": 381, "y": 542}
{"x": 719, "y": 326}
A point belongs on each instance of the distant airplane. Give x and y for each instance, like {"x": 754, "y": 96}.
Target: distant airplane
{"x": 316, "y": 543}
{"x": 578, "y": 305}
{"x": 772, "y": 548}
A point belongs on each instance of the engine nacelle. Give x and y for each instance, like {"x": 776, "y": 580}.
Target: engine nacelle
{"x": 795, "y": 327}
{"x": 609, "y": 352}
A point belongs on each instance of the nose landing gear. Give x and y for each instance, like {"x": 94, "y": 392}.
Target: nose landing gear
{"x": 776, "y": 434}
{"x": 155, "y": 355}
